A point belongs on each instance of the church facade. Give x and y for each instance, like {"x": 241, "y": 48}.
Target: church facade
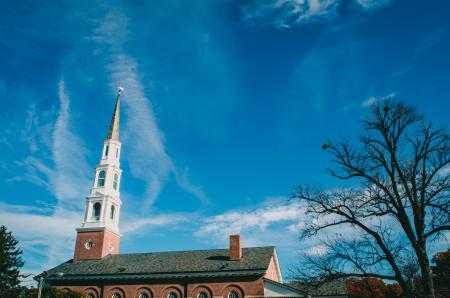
{"x": 99, "y": 270}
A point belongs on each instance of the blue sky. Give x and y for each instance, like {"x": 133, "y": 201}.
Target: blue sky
{"x": 225, "y": 108}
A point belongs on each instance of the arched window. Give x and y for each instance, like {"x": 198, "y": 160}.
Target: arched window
{"x": 111, "y": 215}
{"x": 101, "y": 179}
{"x": 106, "y": 150}
{"x": 97, "y": 209}
{"x": 233, "y": 294}
{"x": 144, "y": 295}
{"x": 115, "y": 182}
{"x": 202, "y": 295}
{"x": 116, "y": 295}
{"x": 91, "y": 293}
{"x": 172, "y": 295}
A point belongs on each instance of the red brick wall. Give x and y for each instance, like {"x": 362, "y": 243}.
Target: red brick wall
{"x": 100, "y": 248}
{"x": 253, "y": 288}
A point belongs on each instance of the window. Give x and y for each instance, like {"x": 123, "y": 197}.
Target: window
{"x": 106, "y": 150}
{"x": 90, "y": 295}
{"x": 117, "y": 152}
{"x": 172, "y": 295}
{"x": 233, "y": 294}
{"x": 202, "y": 295}
{"x": 101, "y": 179}
{"x": 97, "y": 209}
{"x": 116, "y": 295}
{"x": 116, "y": 179}
{"x": 112, "y": 212}
{"x": 144, "y": 295}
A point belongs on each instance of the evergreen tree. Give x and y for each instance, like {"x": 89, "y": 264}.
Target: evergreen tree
{"x": 10, "y": 260}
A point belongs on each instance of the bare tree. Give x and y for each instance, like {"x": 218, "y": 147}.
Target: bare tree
{"x": 399, "y": 201}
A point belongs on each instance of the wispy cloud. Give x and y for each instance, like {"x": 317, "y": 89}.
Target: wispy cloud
{"x": 49, "y": 232}
{"x": 160, "y": 220}
{"x": 372, "y": 4}
{"x": 183, "y": 180}
{"x": 59, "y": 162}
{"x": 316, "y": 82}
{"x": 145, "y": 151}
{"x": 66, "y": 174}
{"x": 48, "y": 236}
{"x": 399, "y": 73}
{"x": 69, "y": 182}
{"x": 288, "y": 13}
{"x": 64, "y": 180}
{"x": 428, "y": 42}
{"x": 369, "y": 101}
{"x": 424, "y": 45}
{"x": 275, "y": 214}
{"x": 363, "y": 104}
{"x": 373, "y": 99}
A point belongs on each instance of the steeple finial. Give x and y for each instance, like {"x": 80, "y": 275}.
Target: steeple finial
{"x": 113, "y": 133}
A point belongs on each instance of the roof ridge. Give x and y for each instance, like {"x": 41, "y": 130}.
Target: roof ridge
{"x": 192, "y": 250}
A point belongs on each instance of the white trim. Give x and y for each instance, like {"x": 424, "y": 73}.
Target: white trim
{"x": 276, "y": 289}
{"x": 96, "y": 229}
{"x": 277, "y": 265}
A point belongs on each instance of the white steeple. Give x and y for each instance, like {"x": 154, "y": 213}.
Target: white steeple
{"x": 103, "y": 202}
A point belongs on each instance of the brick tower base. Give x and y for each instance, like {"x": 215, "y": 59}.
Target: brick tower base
{"x": 92, "y": 244}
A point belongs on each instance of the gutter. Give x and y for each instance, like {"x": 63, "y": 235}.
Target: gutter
{"x": 155, "y": 276}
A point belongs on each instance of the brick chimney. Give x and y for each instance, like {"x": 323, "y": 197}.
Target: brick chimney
{"x": 235, "y": 248}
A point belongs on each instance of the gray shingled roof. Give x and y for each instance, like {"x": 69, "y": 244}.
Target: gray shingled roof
{"x": 331, "y": 288}
{"x": 160, "y": 264}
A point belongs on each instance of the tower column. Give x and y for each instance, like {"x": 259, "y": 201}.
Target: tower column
{"x": 99, "y": 234}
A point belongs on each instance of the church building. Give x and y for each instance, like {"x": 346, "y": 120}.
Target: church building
{"x": 98, "y": 269}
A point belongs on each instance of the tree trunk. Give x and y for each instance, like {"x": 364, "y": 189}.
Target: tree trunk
{"x": 407, "y": 291}
{"x": 427, "y": 277}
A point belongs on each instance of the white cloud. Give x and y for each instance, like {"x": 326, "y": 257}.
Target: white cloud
{"x": 49, "y": 232}
{"x": 318, "y": 250}
{"x": 132, "y": 225}
{"x": 145, "y": 150}
{"x": 277, "y": 214}
{"x": 278, "y": 222}
{"x": 373, "y": 99}
{"x": 184, "y": 182}
{"x": 372, "y": 4}
{"x": 369, "y": 101}
{"x": 67, "y": 179}
{"x": 288, "y": 13}
{"x": 51, "y": 236}
{"x": 69, "y": 182}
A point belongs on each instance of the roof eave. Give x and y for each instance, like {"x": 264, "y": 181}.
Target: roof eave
{"x": 156, "y": 276}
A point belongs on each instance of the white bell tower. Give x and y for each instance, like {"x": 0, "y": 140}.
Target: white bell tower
{"x": 99, "y": 233}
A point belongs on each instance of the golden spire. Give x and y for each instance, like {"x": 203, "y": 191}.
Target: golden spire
{"x": 113, "y": 133}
